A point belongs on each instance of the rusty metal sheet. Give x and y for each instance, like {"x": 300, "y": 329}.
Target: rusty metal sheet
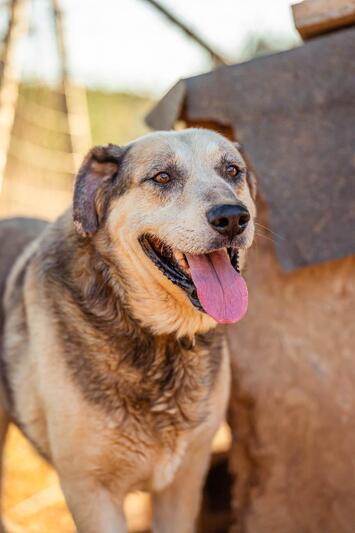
{"x": 169, "y": 109}
{"x": 294, "y": 114}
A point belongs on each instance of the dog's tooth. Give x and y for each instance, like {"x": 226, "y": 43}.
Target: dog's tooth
{"x": 180, "y": 258}
{"x": 178, "y": 255}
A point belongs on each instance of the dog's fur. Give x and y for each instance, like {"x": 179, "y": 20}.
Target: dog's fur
{"x": 107, "y": 367}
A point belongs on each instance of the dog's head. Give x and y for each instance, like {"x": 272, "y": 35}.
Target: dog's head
{"x": 179, "y": 212}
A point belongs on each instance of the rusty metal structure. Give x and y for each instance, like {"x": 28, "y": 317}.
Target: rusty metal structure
{"x": 293, "y": 366}
{"x": 294, "y": 115}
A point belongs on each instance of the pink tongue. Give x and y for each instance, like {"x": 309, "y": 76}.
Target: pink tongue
{"x": 221, "y": 290}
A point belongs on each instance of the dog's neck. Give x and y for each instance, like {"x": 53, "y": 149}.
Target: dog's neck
{"x": 114, "y": 358}
{"x": 115, "y": 295}
{"x": 151, "y": 299}
{"x": 163, "y": 314}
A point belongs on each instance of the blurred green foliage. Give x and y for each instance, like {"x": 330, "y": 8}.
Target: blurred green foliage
{"x": 117, "y": 117}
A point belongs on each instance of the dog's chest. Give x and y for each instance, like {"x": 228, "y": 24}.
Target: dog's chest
{"x": 149, "y": 406}
{"x": 146, "y": 459}
{"x": 178, "y": 393}
{"x": 166, "y": 466}
{"x": 161, "y": 386}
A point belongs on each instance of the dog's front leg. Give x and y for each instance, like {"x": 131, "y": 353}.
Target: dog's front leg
{"x": 93, "y": 508}
{"x": 176, "y": 508}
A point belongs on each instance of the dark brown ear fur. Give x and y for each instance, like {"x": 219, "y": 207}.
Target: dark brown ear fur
{"x": 100, "y": 165}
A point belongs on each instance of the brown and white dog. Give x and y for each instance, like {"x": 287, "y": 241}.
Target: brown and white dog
{"x": 110, "y": 363}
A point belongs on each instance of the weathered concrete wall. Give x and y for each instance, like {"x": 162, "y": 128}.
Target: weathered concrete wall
{"x": 293, "y": 400}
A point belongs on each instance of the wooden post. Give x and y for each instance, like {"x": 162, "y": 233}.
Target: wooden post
{"x": 74, "y": 96}
{"x": 8, "y": 82}
{"x": 314, "y": 17}
{"x": 216, "y": 58}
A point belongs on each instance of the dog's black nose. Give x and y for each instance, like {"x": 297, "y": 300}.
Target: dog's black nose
{"x": 230, "y": 220}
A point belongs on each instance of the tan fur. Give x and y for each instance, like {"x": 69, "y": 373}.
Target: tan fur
{"x": 113, "y": 373}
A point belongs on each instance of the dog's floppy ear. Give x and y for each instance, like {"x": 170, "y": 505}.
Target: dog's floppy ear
{"x": 99, "y": 166}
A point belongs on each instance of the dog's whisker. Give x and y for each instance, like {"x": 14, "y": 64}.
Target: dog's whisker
{"x": 266, "y": 228}
{"x": 267, "y": 237}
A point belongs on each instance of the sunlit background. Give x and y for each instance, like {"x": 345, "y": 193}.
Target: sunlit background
{"x": 126, "y": 54}
{"x": 120, "y": 56}
{"x": 127, "y": 45}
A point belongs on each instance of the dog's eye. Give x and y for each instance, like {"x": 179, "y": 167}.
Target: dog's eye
{"x": 162, "y": 178}
{"x": 232, "y": 170}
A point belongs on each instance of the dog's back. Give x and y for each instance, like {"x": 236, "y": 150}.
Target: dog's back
{"x": 15, "y": 235}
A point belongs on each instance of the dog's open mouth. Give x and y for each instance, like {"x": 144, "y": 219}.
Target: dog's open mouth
{"x": 212, "y": 281}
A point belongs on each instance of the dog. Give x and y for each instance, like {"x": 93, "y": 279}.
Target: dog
{"x": 111, "y": 362}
